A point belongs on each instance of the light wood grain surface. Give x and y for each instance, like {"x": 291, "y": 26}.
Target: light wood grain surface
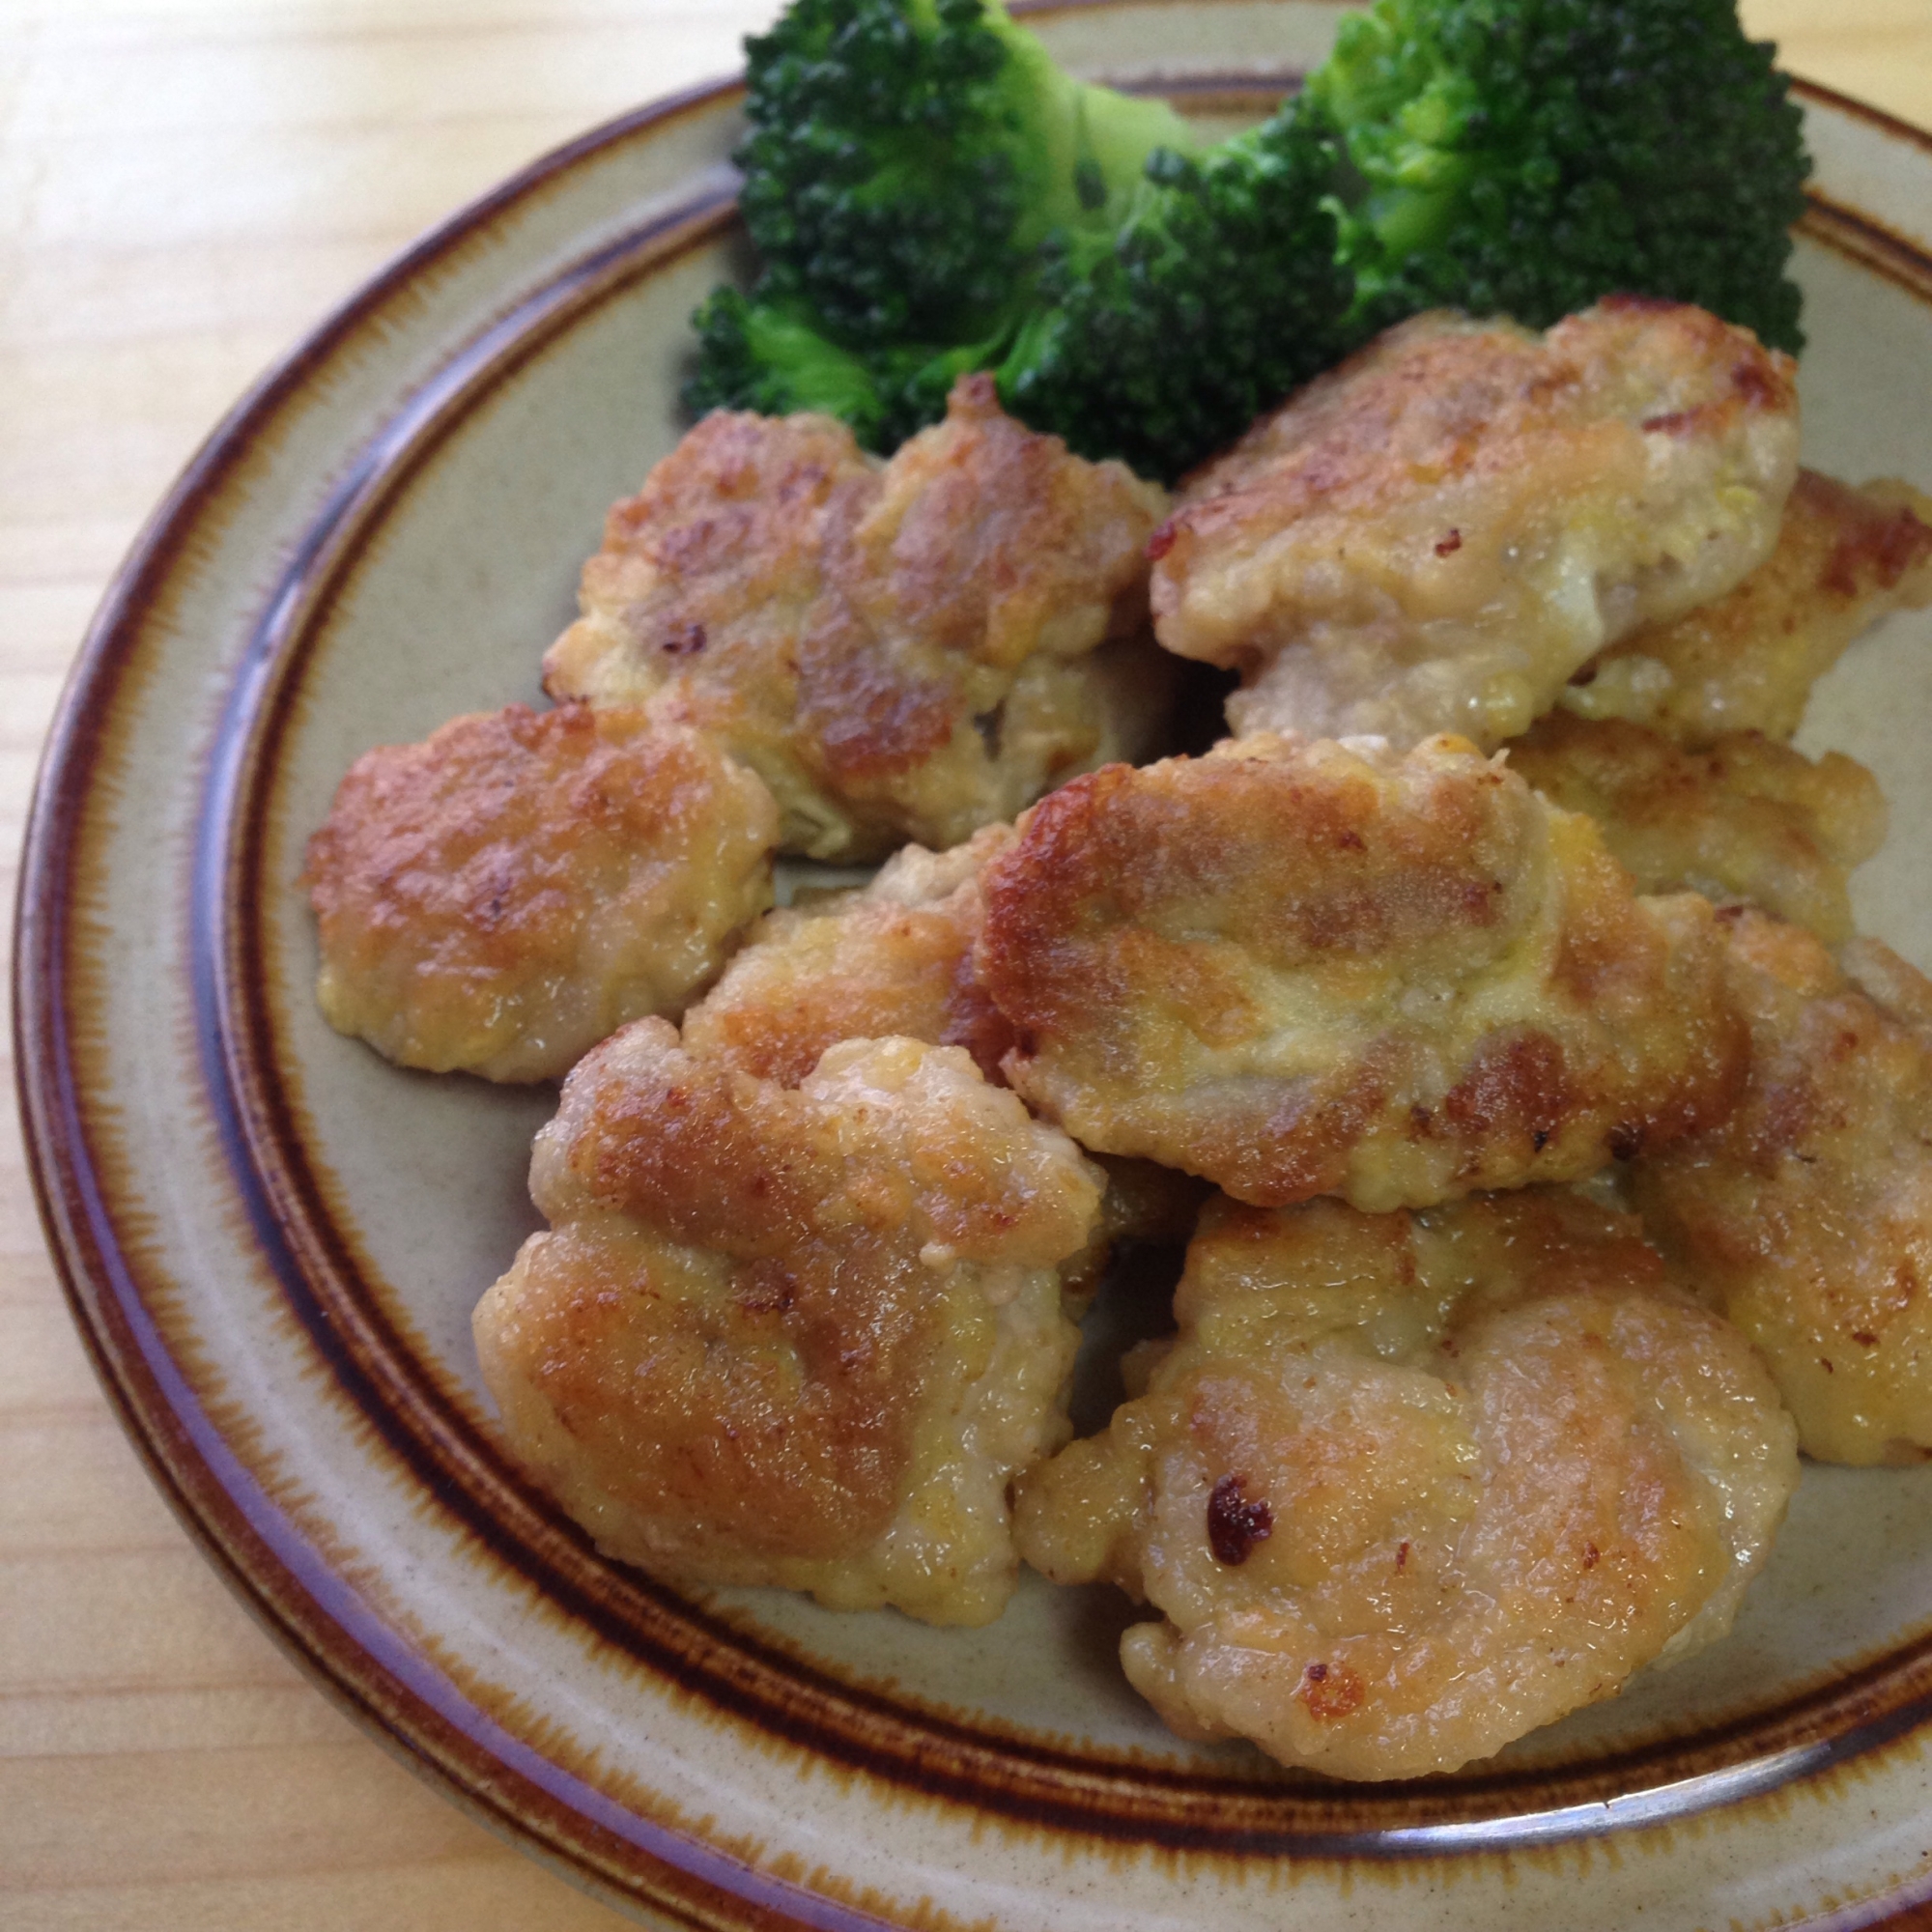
{"x": 184, "y": 187}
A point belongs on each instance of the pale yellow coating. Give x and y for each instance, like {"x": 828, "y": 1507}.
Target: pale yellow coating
{"x": 1749, "y": 818}
{"x": 892, "y": 957}
{"x": 1746, "y": 661}
{"x": 503, "y": 896}
{"x": 910, "y": 650}
{"x": 801, "y": 1337}
{"x": 897, "y": 956}
{"x": 1808, "y": 1216}
{"x": 1307, "y": 968}
{"x": 1434, "y": 536}
{"x": 1405, "y": 1487}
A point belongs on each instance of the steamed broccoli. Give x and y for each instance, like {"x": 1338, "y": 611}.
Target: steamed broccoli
{"x": 1219, "y": 292}
{"x": 756, "y": 355}
{"x": 907, "y": 158}
{"x": 1526, "y": 157}
{"x": 930, "y": 195}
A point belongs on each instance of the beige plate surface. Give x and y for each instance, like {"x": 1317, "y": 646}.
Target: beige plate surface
{"x": 273, "y": 1241}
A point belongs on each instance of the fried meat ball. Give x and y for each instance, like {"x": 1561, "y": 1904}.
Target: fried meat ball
{"x": 892, "y": 957}
{"x": 1435, "y": 535}
{"x": 896, "y": 957}
{"x": 1845, "y": 557}
{"x": 1405, "y": 1487}
{"x": 800, "y": 1337}
{"x": 901, "y": 651}
{"x": 503, "y": 896}
{"x": 1747, "y": 819}
{"x": 1808, "y": 1216}
{"x": 1299, "y": 968}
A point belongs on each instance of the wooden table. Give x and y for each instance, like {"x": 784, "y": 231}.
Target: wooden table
{"x": 184, "y": 186}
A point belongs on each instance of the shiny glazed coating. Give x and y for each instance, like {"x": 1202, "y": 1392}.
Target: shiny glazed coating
{"x": 1845, "y": 557}
{"x": 1435, "y": 535}
{"x": 892, "y": 957}
{"x": 1808, "y": 1216}
{"x": 906, "y": 651}
{"x": 1747, "y": 819}
{"x": 798, "y": 1337}
{"x": 1307, "y": 968}
{"x": 1406, "y": 1487}
{"x": 503, "y": 896}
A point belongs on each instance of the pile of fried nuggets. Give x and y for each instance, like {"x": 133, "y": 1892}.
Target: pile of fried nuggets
{"x": 1557, "y": 1162}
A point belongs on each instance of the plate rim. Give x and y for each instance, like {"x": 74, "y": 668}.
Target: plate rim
{"x": 898, "y": 1739}
{"x": 708, "y": 1889}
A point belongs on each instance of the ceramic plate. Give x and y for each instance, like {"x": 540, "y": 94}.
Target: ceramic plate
{"x": 273, "y": 1241}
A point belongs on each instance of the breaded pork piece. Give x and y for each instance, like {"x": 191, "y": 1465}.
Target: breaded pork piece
{"x": 798, "y": 1337}
{"x": 503, "y": 896}
{"x": 1435, "y": 535}
{"x": 892, "y": 957}
{"x": 896, "y": 957}
{"x": 1747, "y": 819}
{"x": 1808, "y": 1216}
{"x": 1306, "y": 968}
{"x": 906, "y": 651}
{"x": 1405, "y": 1487}
{"x": 1845, "y": 557}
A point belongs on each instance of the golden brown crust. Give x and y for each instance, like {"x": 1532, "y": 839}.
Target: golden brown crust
{"x": 1406, "y": 1486}
{"x": 1845, "y": 557}
{"x": 896, "y": 957}
{"x": 1435, "y": 535}
{"x": 797, "y": 1337}
{"x": 1808, "y": 1216}
{"x": 1746, "y": 819}
{"x": 899, "y": 651}
{"x": 503, "y": 896}
{"x": 1301, "y": 968}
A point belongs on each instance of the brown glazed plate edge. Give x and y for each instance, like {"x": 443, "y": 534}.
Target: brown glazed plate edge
{"x": 361, "y": 1663}
{"x": 1075, "y": 1791}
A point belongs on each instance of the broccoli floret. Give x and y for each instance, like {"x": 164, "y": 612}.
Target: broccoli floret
{"x": 1218, "y": 294}
{"x": 1527, "y": 157}
{"x": 908, "y": 157}
{"x": 755, "y": 355}
{"x": 930, "y": 195}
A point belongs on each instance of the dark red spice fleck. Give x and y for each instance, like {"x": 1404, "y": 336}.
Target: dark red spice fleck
{"x": 1235, "y": 1525}
{"x": 1331, "y": 1692}
{"x": 1876, "y": 551}
{"x": 684, "y": 640}
{"x": 1752, "y": 383}
{"x": 1450, "y": 544}
{"x": 1673, "y": 422}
